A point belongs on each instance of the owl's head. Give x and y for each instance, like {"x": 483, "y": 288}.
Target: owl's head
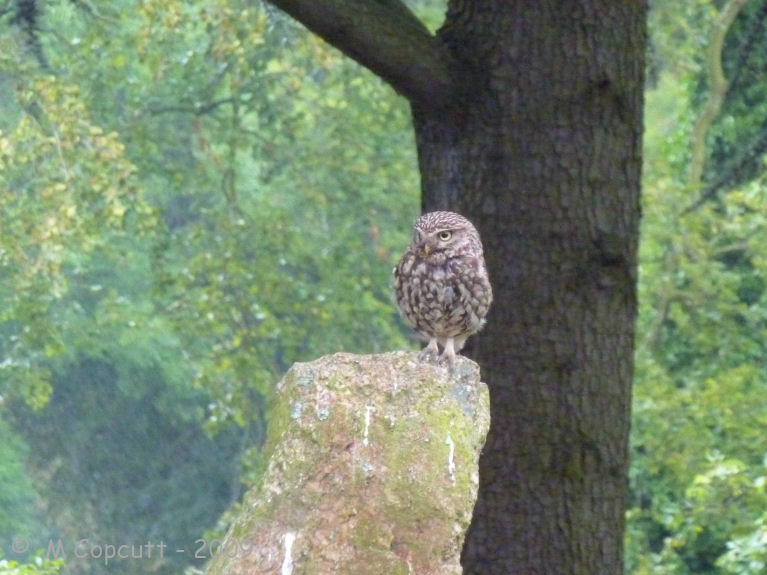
{"x": 441, "y": 235}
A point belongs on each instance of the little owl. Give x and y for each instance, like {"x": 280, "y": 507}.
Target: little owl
{"x": 441, "y": 283}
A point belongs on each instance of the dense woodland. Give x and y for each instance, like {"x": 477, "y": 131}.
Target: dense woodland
{"x": 195, "y": 195}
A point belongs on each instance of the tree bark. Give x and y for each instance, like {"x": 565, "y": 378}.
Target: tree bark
{"x": 540, "y": 147}
{"x": 549, "y": 163}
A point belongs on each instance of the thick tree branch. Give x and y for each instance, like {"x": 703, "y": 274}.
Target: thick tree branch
{"x": 385, "y": 37}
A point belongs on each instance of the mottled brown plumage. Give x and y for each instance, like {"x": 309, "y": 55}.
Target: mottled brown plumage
{"x": 441, "y": 283}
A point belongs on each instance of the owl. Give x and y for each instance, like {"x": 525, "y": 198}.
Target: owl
{"x": 441, "y": 283}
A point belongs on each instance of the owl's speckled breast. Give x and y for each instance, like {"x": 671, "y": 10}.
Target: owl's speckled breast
{"x": 439, "y": 300}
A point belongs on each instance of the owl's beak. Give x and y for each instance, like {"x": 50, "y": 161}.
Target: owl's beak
{"x": 426, "y": 249}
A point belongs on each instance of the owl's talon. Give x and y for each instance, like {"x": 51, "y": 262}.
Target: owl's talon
{"x": 448, "y": 355}
{"x": 426, "y": 356}
{"x": 429, "y": 354}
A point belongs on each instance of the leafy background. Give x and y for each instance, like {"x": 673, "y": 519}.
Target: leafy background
{"x": 195, "y": 195}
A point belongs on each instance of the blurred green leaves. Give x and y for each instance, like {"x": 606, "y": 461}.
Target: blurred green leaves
{"x": 700, "y": 407}
{"x": 193, "y": 196}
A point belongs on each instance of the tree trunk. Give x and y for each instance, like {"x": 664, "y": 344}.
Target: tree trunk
{"x": 547, "y": 165}
{"x": 536, "y": 137}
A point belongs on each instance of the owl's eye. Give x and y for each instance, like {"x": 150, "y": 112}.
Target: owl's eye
{"x": 444, "y": 236}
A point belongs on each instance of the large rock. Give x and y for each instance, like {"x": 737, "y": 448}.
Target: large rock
{"x": 372, "y": 470}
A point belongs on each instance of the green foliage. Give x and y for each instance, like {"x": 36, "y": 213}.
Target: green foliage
{"x": 193, "y": 196}
{"x": 739, "y": 139}
{"x": 68, "y": 190}
{"x": 38, "y": 566}
{"x": 18, "y": 516}
{"x": 152, "y": 474}
{"x": 271, "y": 266}
{"x": 221, "y": 111}
{"x": 697, "y": 477}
